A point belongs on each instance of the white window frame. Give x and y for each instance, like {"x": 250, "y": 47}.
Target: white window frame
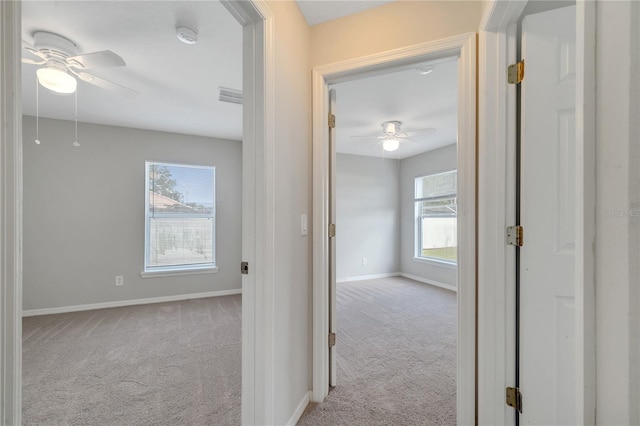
{"x": 418, "y": 220}
{"x": 151, "y": 271}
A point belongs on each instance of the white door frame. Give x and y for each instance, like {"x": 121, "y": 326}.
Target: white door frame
{"x": 10, "y": 214}
{"x": 464, "y": 47}
{"x": 496, "y": 207}
{"x": 258, "y": 189}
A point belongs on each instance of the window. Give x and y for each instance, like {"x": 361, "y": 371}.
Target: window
{"x": 436, "y": 216}
{"x": 180, "y": 217}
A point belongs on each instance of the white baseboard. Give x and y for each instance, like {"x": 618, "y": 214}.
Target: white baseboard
{"x": 299, "y": 409}
{"x": 430, "y": 282}
{"x": 119, "y": 303}
{"x": 368, "y": 277}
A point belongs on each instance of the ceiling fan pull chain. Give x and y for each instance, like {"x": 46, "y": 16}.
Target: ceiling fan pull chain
{"x": 37, "y": 141}
{"x": 75, "y": 143}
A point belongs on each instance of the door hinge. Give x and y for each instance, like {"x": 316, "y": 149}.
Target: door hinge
{"x": 332, "y": 339}
{"x": 514, "y": 398}
{"x": 515, "y": 235}
{"x": 332, "y": 121}
{"x": 515, "y": 73}
{"x": 244, "y": 268}
{"x": 332, "y": 230}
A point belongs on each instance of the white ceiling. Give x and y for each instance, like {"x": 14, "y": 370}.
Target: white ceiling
{"x": 178, "y": 83}
{"x": 418, "y": 101}
{"x": 318, "y": 11}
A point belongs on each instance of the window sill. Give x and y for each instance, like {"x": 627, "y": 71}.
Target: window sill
{"x": 177, "y": 272}
{"x": 435, "y": 262}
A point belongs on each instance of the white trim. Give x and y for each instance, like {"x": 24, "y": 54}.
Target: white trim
{"x": 496, "y": 198}
{"x": 10, "y": 215}
{"x": 463, "y": 46}
{"x": 299, "y": 409}
{"x": 585, "y": 261}
{"x": 258, "y": 236}
{"x": 178, "y": 272}
{"x": 367, "y": 277}
{"x": 467, "y": 231}
{"x": 131, "y": 302}
{"x": 435, "y": 262}
{"x": 430, "y": 282}
{"x": 496, "y": 211}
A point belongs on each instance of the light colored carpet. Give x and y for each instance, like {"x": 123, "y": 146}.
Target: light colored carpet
{"x": 396, "y": 356}
{"x": 174, "y": 363}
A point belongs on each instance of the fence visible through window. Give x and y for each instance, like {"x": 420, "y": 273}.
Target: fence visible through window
{"x": 180, "y": 216}
{"x": 436, "y": 216}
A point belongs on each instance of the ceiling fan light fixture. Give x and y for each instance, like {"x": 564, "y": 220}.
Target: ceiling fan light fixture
{"x": 391, "y": 144}
{"x": 56, "y": 80}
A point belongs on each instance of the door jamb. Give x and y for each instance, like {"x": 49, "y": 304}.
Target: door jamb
{"x": 496, "y": 195}
{"x": 10, "y": 215}
{"x": 258, "y": 189}
{"x": 463, "y": 46}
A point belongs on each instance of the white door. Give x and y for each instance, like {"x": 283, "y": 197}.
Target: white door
{"x": 332, "y": 240}
{"x": 547, "y": 328}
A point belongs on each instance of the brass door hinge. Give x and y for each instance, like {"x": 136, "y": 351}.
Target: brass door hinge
{"x": 332, "y": 230}
{"x": 332, "y": 339}
{"x": 514, "y": 398}
{"x": 332, "y": 121}
{"x": 515, "y": 235}
{"x": 515, "y": 73}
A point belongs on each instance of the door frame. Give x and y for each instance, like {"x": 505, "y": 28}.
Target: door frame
{"x": 496, "y": 206}
{"x": 258, "y": 189}
{"x": 464, "y": 47}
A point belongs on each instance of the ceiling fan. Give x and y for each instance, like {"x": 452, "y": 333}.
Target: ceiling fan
{"x": 62, "y": 63}
{"x": 392, "y": 135}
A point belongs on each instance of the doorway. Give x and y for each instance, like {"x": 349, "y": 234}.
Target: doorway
{"x": 257, "y": 22}
{"x": 462, "y": 47}
{"x": 395, "y": 215}
{"x": 498, "y": 156}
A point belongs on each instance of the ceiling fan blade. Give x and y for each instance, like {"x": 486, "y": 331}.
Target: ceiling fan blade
{"x": 102, "y": 59}
{"x": 409, "y": 140}
{"x": 105, "y": 84}
{"x": 427, "y": 130}
{"x": 369, "y": 137}
{"x": 29, "y": 48}
{"x": 32, "y": 62}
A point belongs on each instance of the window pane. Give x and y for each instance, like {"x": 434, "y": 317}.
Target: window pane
{"x": 180, "y": 189}
{"x": 180, "y": 241}
{"x": 439, "y": 238}
{"x": 445, "y": 207}
{"x": 439, "y": 185}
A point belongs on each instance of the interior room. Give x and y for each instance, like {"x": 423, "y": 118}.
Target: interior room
{"x": 396, "y": 241}
{"x": 548, "y": 190}
{"x": 132, "y": 237}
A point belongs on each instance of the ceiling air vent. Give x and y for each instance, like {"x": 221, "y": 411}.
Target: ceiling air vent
{"x": 230, "y": 95}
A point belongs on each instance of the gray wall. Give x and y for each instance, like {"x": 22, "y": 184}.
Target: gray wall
{"x": 376, "y": 218}
{"x": 439, "y": 160}
{"x": 367, "y": 216}
{"x": 84, "y": 212}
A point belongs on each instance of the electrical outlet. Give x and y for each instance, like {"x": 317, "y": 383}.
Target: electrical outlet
{"x": 364, "y": 261}
{"x": 119, "y": 280}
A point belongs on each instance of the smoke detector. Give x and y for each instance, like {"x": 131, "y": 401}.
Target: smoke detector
{"x": 187, "y": 35}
